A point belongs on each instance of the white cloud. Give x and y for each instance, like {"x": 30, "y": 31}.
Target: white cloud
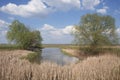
{"x": 3, "y": 24}
{"x": 32, "y": 7}
{"x": 90, "y": 4}
{"x": 103, "y": 10}
{"x": 3, "y": 30}
{"x": 51, "y": 34}
{"x": 55, "y": 31}
{"x": 68, "y": 29}
{"x": 63, "y": 4}
{"x": 44, "y": 7}
{"x": 39, "y": 7}
{"x": 118, "y": 31}
{"x": 47, "y": 27}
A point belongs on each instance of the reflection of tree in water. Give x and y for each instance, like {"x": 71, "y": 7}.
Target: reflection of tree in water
{"x": 38, "y": 57}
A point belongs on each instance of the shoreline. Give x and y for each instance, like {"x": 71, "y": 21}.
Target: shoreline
{"x": 75, "y": 53}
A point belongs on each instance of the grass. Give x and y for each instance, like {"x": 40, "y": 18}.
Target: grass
{"x": 8, "y": 47}
{"x": 111, "y": 50}
{"x": 66, "y": 53}
{"x": 105, "y": 67}
{"x": 31, "y": 57}
{"x": 59, "y": 46}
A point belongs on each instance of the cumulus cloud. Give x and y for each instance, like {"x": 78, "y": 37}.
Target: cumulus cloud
{"x": 39, "y": 7}
{"x": 47, "y": 27}
{"x": 32, "y": 7}
{"x": 68, "y": 29}
{"x": 63, "y": 4}
{"x": 103, "y": 10}
{"x": 44, "y": 7}
{"x": 3, "y": 24}
{"x": 90, "y": 4}
{"x": 59, "y": 31}
{"x": 56, "y": 35}
{"x": 3, "y": 30}
{"x": 118, "y": 31}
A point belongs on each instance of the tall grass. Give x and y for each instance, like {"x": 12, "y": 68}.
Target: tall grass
{"x": 96, "y": 51}
{"x": 105, "y": 67}
{"x": 8, "y": 47}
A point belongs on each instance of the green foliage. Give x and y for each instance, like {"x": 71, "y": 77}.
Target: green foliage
{"x": 22, "y": 36}
{"x": 31, "y": 57}
{"x": 8, "y": 47}
{"x": 94, "y": 31}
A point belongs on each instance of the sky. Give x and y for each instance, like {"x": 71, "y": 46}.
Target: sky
{"x": 55, "y": 19}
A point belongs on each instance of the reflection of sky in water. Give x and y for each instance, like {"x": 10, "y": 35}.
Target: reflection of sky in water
{"x": 55, "y": 55}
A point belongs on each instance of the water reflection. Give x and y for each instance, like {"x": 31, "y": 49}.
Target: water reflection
{"x": 37, "y": 57}
{"x": 55, "y": 55}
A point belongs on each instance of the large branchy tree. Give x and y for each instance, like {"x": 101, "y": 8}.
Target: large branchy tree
{"x": 96, "y": 30}
{"x": 22, "y": 36}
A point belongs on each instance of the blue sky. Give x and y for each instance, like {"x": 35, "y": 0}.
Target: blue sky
{"x": 53, "y": 18}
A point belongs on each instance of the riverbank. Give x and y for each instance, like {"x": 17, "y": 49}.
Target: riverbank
{"x": 79, "y": 54}
{"x": 75, "y": 53}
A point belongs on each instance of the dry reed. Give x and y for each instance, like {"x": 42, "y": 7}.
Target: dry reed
{"x": 105, "y": 67}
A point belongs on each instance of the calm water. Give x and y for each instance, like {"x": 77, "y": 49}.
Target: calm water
{"x": 55, "y": 55}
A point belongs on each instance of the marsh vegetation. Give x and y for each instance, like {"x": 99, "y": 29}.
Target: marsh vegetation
{"x": 106, "y": 67}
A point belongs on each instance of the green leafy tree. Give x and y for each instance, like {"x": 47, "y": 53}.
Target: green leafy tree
{"x": 95, "y": 30}
{"x": 22, "y": 36}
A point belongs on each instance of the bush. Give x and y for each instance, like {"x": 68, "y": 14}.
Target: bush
{"x": 31, "y": 57}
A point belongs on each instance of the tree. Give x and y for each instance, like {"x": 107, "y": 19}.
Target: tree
{"x": 96, "y": 30}
{"x": 22, "y": 36}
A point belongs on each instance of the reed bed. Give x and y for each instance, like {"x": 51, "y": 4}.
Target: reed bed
{"x": 106, "y": 67}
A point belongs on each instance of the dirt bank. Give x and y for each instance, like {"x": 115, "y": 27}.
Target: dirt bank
{"x": 76, "y": 53}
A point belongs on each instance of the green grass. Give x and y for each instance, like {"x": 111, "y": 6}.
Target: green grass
{"x": 8, "y": 47}
{"x": 59, "y": 46}
{"x": 32, "y": 57}
{"x": 111, "y": 50}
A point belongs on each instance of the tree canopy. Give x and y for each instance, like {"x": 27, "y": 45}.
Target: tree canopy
{"x": 96, "y": 30}
{"x": 22, "y": 36}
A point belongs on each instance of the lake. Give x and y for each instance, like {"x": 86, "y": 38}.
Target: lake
{"x": 55, "y": 55}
